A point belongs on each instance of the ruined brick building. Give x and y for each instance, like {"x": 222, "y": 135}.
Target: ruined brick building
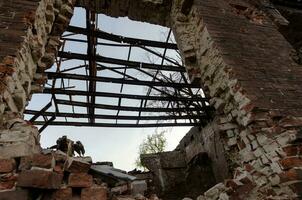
{"x": 245, "y": 55}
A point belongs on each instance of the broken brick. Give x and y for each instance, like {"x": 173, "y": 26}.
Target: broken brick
{"x": 292, "y": 150}
{"x": 291, "y": 175}
{"x": 7, "y": 165}
{"x": 62, "y": 194}
{"x": 81, "y": 180}
{"x": 37, "y": 160}
{"x": 290, "y": 162}
{"x": 7, "y": 181}
{"x": 14, "y": 195}
{"x": 43, "y": 161}
{"x": 76, "y": 165}
{"x": 94, "y": 193}
{"x": 39, "y": 178}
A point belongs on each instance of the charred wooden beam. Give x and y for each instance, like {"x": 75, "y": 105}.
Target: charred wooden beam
{"x": 91, "y": 53}
{"x": 120, "y": 117}
{"x": 38, "y": 114}
{"x": 116, "y": 61}
{"x": 115, "y": 125}
{"x": 46, "y": 123}
{"x": 51, "y": 75}
{"x": 121, "y": 39}
{"x": 126, "y": 96}
{"x": 129, "y": 108}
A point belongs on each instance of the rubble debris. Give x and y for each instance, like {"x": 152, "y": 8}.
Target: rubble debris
{"x": 75, "y": 165}
{"x": 110, "y": 175}
{"x": 53, "y": 175}
{"x": 39, "y": 178}
{"x": 80, "y": 180}
{"x": 113, "y": 172}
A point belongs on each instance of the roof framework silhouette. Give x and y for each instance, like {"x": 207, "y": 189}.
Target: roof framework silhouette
{"x": 166, "y": 101}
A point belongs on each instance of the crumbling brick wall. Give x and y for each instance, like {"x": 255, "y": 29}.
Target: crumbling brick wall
{"x": 30, "y": 33}
{"x": 245, "y": 66}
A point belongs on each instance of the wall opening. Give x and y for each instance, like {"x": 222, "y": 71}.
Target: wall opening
{"x": 138, "y": 81}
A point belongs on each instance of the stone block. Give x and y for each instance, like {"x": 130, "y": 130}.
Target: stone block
{"x": 276, "y": 167}
{"x": 94, "y": 193}
{"x": 77, "y": 165}
{"x": 122, "y": 189}
{"x": 14, "y": 195}
{"x": 39, "y": 178}
{"x": 80, "y": 180}
{"x": 18, "y": 143}
{"x": 138, "y": 187}
{"x": 7, "y": 165}
{"x": 172, "y": 159}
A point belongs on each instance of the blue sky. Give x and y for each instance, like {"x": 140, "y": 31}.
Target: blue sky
{"x": 119, "y": 145}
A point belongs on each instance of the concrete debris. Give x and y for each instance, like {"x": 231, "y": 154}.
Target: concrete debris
{"x": 112, "y": 172}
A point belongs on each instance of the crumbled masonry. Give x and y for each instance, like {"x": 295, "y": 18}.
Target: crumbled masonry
{"x": 54, "y": 175}
{"x": 241, "y": 53}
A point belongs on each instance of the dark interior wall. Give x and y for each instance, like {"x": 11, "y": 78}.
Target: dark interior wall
{"x": 207, "y": 140}
{"x": 174, "y": 178}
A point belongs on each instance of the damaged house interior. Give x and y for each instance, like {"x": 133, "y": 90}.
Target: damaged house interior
{"x": 228, "y": 70}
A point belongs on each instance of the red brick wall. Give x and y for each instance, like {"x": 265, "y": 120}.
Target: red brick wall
{"x": 29, "y": 38}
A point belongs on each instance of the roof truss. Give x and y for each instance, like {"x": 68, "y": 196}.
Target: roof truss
{"x": 167, "y": 97}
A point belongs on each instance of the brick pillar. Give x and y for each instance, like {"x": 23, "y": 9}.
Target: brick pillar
{"x": 29, "y": 38}
{"x": 245, "y": 66}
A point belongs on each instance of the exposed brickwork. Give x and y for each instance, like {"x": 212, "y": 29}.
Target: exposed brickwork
{"x": 252, "y": 81}
{"x": 30, "y": 32}
{"x": 39, "y": 178}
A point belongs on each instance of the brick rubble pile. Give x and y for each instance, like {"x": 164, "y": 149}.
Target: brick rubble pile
{"x": 52, "y": 175}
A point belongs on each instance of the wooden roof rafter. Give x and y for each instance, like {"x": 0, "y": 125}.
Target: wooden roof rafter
{"x": 164, "y": 101}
